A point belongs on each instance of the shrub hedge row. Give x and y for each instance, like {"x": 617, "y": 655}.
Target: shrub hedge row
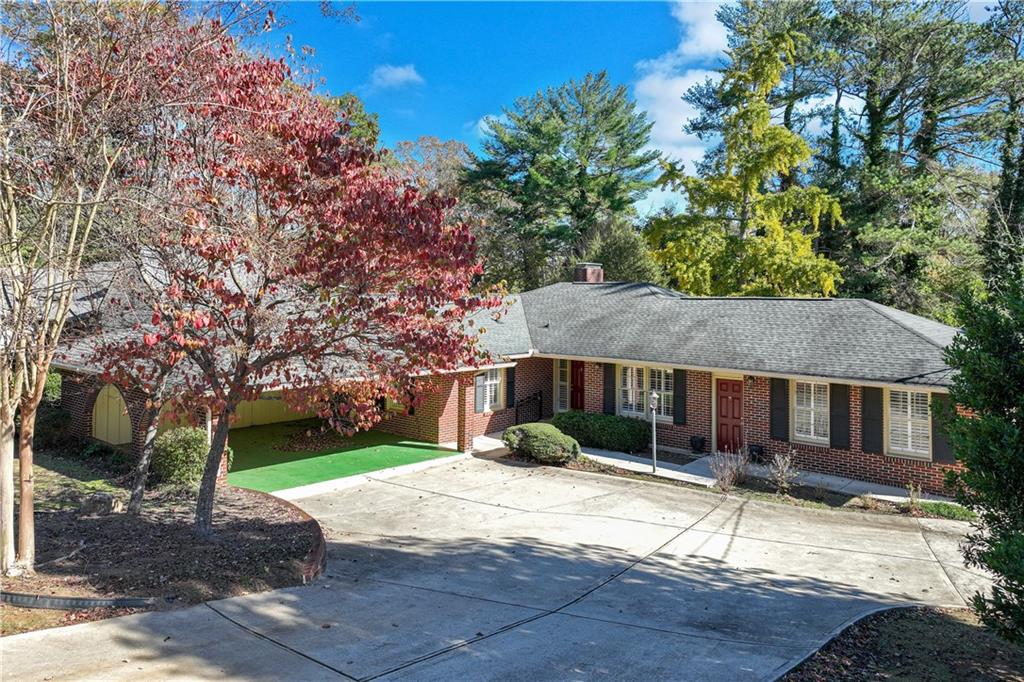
{"x": 607, "y": 431}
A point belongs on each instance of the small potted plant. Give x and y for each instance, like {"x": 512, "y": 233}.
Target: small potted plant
{"x": 697, "y": 443}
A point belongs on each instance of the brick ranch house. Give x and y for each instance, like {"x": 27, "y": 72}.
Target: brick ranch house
{"x": 845, "y": 384}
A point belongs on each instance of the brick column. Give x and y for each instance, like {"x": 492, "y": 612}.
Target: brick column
{"x": 463, "y": 438}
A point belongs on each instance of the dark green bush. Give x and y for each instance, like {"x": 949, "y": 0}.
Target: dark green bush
{"x": 607, "y": 431}
{"x": 107, "y": 458}
{"x": 541, "y": 442}
{"x": 53, "y": 428}
{"x": 179, "y": 455}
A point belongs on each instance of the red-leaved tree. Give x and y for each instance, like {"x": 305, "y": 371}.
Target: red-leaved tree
{"x": 292, "y": 262}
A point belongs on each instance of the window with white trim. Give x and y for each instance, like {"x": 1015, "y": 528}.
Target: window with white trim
{"x": 910, "y": 431}
{"x": 632, "y": 393}
{"x": 810, "y": 411}
{"x": 562, "y": 386}
{"x": 661, "y": 383}
{"x": 487, "y": 389}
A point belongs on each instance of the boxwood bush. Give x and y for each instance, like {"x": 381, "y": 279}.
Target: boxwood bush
{"x": 541, "y": 442}
{"x": 607, "y": 431}
{"x": 179, "y": 455}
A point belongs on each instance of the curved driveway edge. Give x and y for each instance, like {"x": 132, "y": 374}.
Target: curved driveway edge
{"x": 489, "y": 570}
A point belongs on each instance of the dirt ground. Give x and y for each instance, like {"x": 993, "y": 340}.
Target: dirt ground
{"x": 258, "y": 545}
{"x": 915, "y": 644}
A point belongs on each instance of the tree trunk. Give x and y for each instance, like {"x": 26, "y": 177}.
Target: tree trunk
{"x": 26, "y": 506}
{"x": 6, "y": 490}
{"x": 208, "y": 487}
{"x": 150, "y": 422}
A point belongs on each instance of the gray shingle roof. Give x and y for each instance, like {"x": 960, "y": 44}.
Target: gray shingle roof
{"x": 508, "y": 335}
{"x": 837, "y": 338}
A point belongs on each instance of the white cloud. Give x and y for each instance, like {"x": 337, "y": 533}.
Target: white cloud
{"x": 387, "y": 76}
{"x": 703, "y": 34}
{"x": 664, "y": 80}
{"x": 480, "y": 128}
{"x": 660, "y": 94}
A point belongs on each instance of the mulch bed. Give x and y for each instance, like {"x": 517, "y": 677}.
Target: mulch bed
{"x": 259, "y": 544}
{"x": 914, "y": 644}
{"x": 315, "y": 440}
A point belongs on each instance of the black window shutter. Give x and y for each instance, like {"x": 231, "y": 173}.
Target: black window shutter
{"x": 941, "y": 450}
{"x": 510, "y": 387}
{"x": 871, "y": 419}
{"x": 411, "y": 409}
{"x": 779, "y": 407}
{"x": 839, "y": 416}
{"x": 609, "y": 388}
{"x": 679, "y": 396}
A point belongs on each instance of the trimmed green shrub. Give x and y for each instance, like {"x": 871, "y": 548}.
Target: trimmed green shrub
{"x": 179, "y": 455}
{"x": 541, "y": 442}
{"x": 607, "y": 431}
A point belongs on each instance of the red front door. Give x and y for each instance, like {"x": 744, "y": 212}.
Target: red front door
{"x": 730, "y": 415}
{"x": 576, "y": 384}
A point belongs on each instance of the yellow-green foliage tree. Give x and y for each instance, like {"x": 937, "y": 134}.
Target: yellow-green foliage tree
{"x": 749, "y": 229}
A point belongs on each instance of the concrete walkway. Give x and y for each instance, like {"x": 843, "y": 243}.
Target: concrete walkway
{"x": 699, "y": 473}
{"x": 488, "y": 570}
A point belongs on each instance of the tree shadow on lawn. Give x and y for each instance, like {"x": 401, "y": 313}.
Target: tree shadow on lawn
{"x": 270, "y": 444}
{"x": 387, "y": 602}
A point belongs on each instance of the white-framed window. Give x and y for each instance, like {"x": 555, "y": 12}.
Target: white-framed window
{"x": 909, "y": 419}
{"x": 635, "y": 386}
{"x": 487, "y": 389}
{"x": 632, "y": 390}
{"x": 561, "y": 385}
{"x": 660, "y": 381}
{"x": 810, "y": 411}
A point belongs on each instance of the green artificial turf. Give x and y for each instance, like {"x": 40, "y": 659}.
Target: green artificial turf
{"x": 260, "y": 462}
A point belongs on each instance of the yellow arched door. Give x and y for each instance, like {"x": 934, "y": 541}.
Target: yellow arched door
{"x": 110, "y": 422}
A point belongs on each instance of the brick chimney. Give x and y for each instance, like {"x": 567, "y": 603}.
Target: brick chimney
{"x": 589, "y": 273}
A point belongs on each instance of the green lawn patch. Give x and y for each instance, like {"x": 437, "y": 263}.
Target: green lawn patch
{"x": 61, "y": 483}
{"x": 948, "y": 510}
{"x": 265, "y": 458}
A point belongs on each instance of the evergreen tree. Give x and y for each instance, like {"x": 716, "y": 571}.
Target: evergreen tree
{"x": 989, "y": 358}
{"x": 748, "y": 230}
{"x": 554, "y": 167}
{"x": 1004, "y": 229}
{"x": 623, "y": 253}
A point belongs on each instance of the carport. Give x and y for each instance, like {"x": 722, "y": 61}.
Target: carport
{"x": 265, "y": 457}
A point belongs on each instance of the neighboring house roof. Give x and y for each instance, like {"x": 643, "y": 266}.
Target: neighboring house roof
{"x": 839, "y": 338}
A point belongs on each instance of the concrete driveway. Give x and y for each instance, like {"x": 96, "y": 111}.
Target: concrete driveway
{"x": 487, "y": 570}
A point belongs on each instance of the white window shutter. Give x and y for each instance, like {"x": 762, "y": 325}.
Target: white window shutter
{"x": 479, "y": 392}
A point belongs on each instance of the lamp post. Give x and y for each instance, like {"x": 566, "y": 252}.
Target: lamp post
{"x": 654, "y": 432}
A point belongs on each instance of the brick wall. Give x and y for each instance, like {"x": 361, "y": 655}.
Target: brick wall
{"x": 532, "y": 375}
{"x": 698, "y": 407}
{"x": 78, "y": 395}
{"x": 435, "y": 419}
{"x": 852, "y": 463}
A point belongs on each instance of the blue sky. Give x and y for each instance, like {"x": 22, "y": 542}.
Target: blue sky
{"x": 440, "y": 68}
